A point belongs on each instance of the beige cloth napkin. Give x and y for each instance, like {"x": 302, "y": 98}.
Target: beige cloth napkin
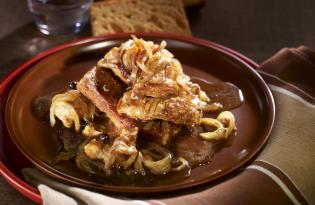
{"x": 292, "y": 143}
{"x": 53, "y": 192}
{"x": 283, "y": 173}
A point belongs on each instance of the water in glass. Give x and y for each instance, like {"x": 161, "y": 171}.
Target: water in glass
{"x": 60, "y": 16}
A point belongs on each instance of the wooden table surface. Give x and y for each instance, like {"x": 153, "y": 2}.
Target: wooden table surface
{"x": 257, "y": 29}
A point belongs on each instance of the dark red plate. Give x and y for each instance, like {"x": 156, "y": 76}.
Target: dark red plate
{"x": 55, "y": 68}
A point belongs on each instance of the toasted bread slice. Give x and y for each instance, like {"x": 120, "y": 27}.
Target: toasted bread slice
{"x": 136, "y": 15}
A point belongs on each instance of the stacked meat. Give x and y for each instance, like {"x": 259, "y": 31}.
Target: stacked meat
{"x": 142, "y": 88}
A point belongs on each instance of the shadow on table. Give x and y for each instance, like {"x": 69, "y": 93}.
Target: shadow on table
{"x": 26, "y": 42}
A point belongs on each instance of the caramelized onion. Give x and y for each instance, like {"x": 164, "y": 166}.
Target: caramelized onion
{"x": 153, "y": 162}
{"x": 160, "y": 166}
{"x": 183, "y": 164}
{"x": 224, "y": 124}
{"x": 212, "y": 107}
{"x": 90, "y": 131}
{"x": 138, "y": 164}
{"x": 68, "y": 108}
{"x": 66, "y": 113}
{"x": 228, "y": 120}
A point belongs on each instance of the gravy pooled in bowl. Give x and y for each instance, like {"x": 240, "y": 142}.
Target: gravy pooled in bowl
{"x": 136, "y": 115}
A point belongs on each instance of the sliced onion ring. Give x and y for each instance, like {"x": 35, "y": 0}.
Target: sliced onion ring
{"x": 184, "y": 164}
{"x": 225, "y": 124}
{"x": 212, "y": 107}
{"x": 138, "y": 164}
{"x": 158, "y": 167}
{"x": 228, "y": 120}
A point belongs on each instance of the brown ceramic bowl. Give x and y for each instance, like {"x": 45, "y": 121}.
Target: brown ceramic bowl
{"x": 254, "y": 118}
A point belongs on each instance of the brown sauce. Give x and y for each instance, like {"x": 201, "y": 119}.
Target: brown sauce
{"x": 192, "y": 148}
{"x": 186, "y": 144}
{"x": 227, "y": 94}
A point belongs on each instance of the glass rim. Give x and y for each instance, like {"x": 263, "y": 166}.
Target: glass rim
{"x": 60, "y": 6}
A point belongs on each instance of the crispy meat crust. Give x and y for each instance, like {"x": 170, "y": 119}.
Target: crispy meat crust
{"x": 102, "y": 88}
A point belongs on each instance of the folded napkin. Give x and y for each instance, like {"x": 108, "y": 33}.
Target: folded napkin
{"x": 283, "y": 173}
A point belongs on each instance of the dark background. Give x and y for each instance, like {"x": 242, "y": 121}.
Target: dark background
{"x": 256, "y": 28}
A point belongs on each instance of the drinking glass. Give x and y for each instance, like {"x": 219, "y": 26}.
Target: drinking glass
{"x": 60, "y": 16}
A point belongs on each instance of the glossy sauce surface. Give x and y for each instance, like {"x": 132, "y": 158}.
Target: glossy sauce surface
{"x": 186, "y": 144}
{"x": 227, "y": 94}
